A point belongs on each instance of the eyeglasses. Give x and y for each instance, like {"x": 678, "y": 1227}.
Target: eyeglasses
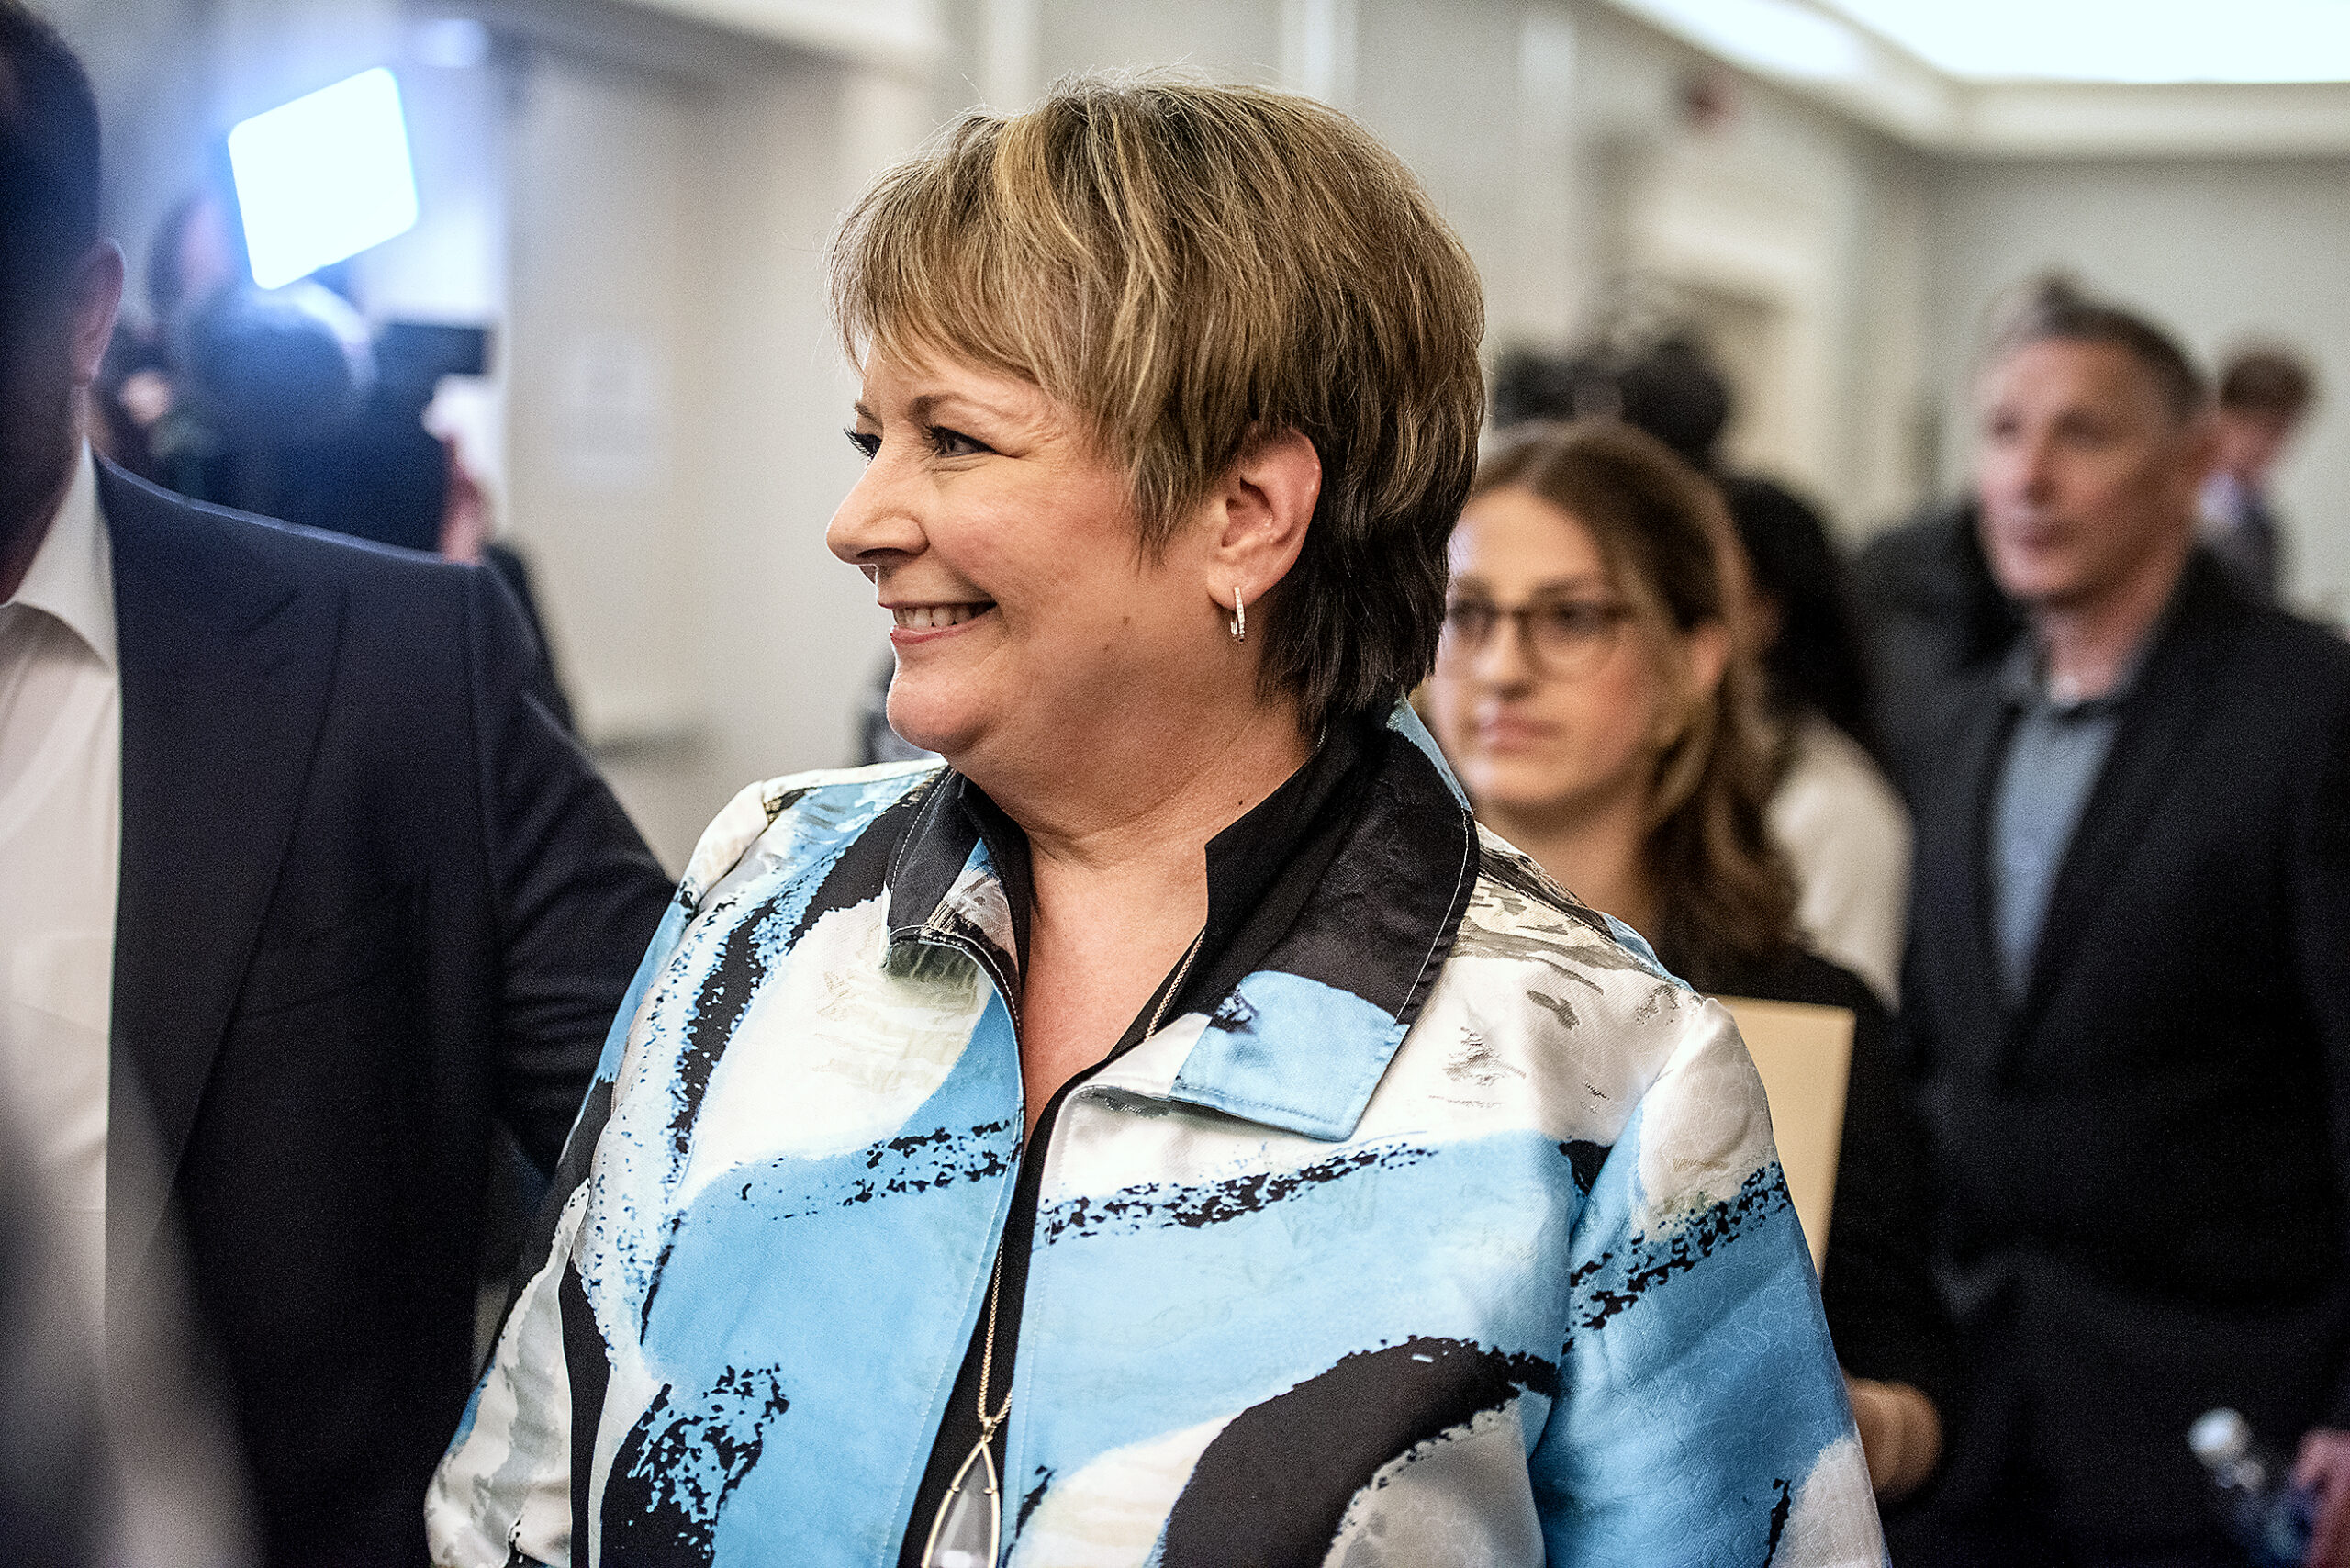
{"x": 1563, "y": 639}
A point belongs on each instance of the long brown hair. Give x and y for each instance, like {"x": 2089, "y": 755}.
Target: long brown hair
{"x": 1726, "y": 894}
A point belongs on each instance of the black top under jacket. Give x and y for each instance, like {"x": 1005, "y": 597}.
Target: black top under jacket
{"x": 1261, "y": 869}
{"x": 374, "y": 901}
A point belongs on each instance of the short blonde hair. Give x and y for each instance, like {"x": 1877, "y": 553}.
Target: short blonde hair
{"x": 1191, "y": 268}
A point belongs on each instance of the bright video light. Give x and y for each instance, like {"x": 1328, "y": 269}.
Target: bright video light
{"x": 323, "y": 177}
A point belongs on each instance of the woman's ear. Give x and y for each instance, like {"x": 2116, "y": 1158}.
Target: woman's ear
{"x": 1261, "y": 511}
{"x": 1709, "y": 650}
{"x": 1693, "y": 678}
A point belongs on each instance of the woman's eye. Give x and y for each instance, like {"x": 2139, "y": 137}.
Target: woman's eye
{"x": 955, "y": 444}
{"x": 1572, "y": 620}
{"x": 865, "y": 442}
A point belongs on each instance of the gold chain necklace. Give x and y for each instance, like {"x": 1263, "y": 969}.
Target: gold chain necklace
{"x": 968, "y": 1529}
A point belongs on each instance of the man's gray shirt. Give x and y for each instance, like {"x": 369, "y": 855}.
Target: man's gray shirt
{"x": 2053, "y": 756}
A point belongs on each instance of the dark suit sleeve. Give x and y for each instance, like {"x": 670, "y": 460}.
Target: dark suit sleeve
{"x": 2321, "y": 937}
{"x": 577, "y": 893}
{"x": 1876, "y": 1284}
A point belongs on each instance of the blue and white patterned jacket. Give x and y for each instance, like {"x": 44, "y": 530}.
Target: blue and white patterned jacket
{"x": 1453, "y": 1235}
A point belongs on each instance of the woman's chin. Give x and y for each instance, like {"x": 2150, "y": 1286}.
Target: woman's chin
{"x": 931, "y": 721}
{"x": 1521, "y": 789}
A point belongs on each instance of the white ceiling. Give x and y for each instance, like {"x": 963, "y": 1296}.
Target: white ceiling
{"x": 2013, "y": 78}
{"x": 902, "y": 35}
{"x": 2118, "y": 41}
{"x": 2038, "y": 78}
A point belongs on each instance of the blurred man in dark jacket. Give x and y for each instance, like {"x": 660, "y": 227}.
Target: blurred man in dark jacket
{"x": 298, "y": 875}
{"x": 2127, "y": 1003}
{"x": 1935, "y": 618}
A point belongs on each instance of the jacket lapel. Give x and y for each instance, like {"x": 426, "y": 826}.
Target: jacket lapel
{"x": 2159, "y": 721}
{"x": 1978, "y": 785}
{"x": 226, "y": 660}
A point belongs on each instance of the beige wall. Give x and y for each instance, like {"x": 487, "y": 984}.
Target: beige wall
{"x": 677, "y": 403}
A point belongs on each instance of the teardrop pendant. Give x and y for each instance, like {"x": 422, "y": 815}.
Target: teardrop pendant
{"x": 970, "y": 1521}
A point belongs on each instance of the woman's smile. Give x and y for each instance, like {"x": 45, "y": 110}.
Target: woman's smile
{"x": 928, "y": 622}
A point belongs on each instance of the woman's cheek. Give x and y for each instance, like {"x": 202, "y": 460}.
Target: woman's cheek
{"x": 1604, "y": 724}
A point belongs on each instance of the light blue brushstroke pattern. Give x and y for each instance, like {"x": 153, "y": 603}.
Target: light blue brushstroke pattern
{"x": 888, "y": 1290}
{"x": 1717, "y": 1376}
{"x": 1243, "y": 1305}
{"x": 648, "y": 1140}
{"x": 657, "y": 953}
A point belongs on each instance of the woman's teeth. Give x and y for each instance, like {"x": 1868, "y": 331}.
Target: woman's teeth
{"x": 931, "y": 617}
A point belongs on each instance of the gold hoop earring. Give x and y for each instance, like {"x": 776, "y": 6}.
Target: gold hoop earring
{"x": 1239, "y": 627}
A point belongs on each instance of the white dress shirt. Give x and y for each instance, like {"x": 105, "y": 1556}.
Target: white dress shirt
{"x": 61, "y": 832}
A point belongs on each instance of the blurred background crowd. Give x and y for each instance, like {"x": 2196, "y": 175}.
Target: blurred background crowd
{"x": 620, "y": 208}
{"x": 585, "y": 343}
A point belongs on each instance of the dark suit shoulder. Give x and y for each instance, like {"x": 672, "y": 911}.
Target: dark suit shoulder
{"x": 145, "y": 518}
{"x": 2268, "y": 672}
{"x": 2315, "y": 656}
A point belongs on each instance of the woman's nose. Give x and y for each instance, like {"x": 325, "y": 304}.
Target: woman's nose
{"x": 1503, "y": 660}
{"x": 875, "y": 522}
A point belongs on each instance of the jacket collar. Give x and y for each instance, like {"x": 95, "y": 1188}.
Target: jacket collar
{"x": 944, "y": 885}
{"x": 72, "y": 575}
{"x": 1377, "y": 880}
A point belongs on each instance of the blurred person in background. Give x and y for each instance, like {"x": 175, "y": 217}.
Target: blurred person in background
{"x": 1601, "y": 713}
{"x": 1338, "y": 1227}
{"x": 287, "y": 403}
{"x": 2127, "y": 1007}
{"x": 1935, "y": 619}
{"x": 303, "y": 892}
{"x": 116, "y": 1455}
{"x": 2265, "y": 395}
{"x": 1844, "y": 828}
{"x": 193, "y": 254}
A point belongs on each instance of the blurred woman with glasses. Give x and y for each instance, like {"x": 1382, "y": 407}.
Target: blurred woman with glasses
{"x": 1592, "y": 696}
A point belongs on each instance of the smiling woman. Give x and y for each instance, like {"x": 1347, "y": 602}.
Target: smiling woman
{"x": 1169, "y": 1132}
